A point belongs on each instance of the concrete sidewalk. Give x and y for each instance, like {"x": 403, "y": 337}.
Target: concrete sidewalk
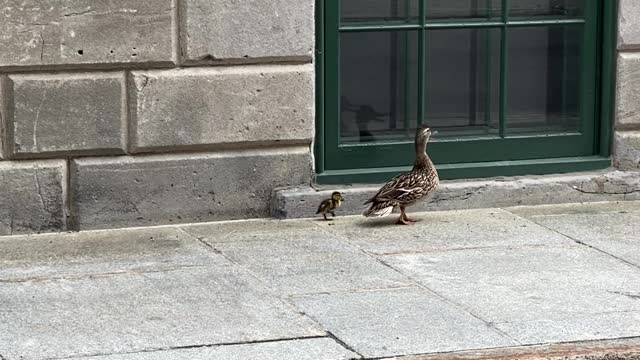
{"x": 541, "y": 282}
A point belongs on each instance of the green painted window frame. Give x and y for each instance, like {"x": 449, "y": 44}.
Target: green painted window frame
{"x": 558, "y": 153}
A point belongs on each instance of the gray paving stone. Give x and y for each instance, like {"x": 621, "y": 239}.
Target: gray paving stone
{"x": 312, "y": 262}
{"x": 443, "y": 230}
{"x": 614, "y": 233}
{"x": 146, "y": 311}
{"x": 548, "y": 284}
{"x": 583, "y": 208}
{"x": 398, "y": 322}
{"x": 250, "y": 230}
{"x": 100, "y": 252}
{"x": 576, "y": 328}
{"x": 302, "y": 349}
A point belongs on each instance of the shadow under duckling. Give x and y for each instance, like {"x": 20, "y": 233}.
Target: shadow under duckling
{"x": 330, "y": 205}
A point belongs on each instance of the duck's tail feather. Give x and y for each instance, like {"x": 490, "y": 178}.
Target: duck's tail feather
{"x": 379, "y": 210}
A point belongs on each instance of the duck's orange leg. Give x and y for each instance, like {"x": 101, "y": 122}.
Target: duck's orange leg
{"x": 404, "y": 219}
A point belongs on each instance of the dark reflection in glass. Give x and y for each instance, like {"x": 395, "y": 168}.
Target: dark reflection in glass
{"x": 462, "y": 78}
{"x": 544, "y": 66}
{"x": 463, "y": 9}
{"x": 546, "y": 8}
{"x": 378, "y": 85}
{"x": 358, "y": 11}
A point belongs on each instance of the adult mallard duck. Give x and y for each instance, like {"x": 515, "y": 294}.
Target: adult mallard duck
{"x": 407, "y": 188}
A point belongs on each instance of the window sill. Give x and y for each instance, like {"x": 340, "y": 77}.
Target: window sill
{"x": 471, "y": 170}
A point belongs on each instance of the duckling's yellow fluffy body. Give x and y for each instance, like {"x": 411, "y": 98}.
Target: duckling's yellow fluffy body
{"x": 328, "y": 206}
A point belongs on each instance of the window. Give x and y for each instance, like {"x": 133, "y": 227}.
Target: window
{"x": 511, "y": 86}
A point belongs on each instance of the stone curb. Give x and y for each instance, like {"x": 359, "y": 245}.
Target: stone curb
{"x": 608, "y": 185}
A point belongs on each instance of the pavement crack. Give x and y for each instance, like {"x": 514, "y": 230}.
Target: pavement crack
{"x": 487, "y": 323}
{"x": 601, "y": 191}
{"x": 580, "y": 242}
{"x": 37, "y": 118}
{"x": 41, "y": 47}
{"x": 627, "y": 294}
{"x": 80, "y": 13}
{"x": 96, "y": 275}
{"x": 188, "y": 347}
{"x": 343, "y": 344}
{"x": 36, "y": 175}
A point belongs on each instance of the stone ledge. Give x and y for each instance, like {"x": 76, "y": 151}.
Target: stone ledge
{"x": 34, "y": 196}
{"x": 610, "y": 185}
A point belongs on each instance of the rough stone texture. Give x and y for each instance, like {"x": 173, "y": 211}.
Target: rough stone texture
{"x": 627, "y": 104}
{"x": 614, "y": 233}
{"x": 52, "y": 32}
{"x": 309, "y": 262}
{"x": 235, "y": 29}
{"x": 142, "y": 311}
{"x": 97, "y": 252}
{"x": 5, "y": 101}
{"x": 443, "y": 230}
{"x": 467, "y": 194}
{"x": 303, "y": 349}
{"x": 33, "y": 197}
{"x": 130, "y": 191}
{"x": 225, "y": 105}
{"x": 582, "y": 208}
{"x": 397, "y": 322}
{"x": 535, "y": 294}
{"x": 629, "y": 26}
{"x": 627, "y": 150}
{"x": 75, "y": 114}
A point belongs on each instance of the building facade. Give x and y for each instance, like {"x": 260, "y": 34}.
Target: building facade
{"x": 135, "y": 113}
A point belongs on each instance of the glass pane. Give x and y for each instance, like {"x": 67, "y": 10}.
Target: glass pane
{"x": 378, "y": 85}
{"x": 463, "y": 81}
{"x": 546, "y": 8}
{"x": 378, "y": 10}
{"x": 463, "y": 9}
{"x": 544, "y": 67}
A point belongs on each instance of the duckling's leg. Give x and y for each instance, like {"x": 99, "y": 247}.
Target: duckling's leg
{"x": 325, "y": 216}
{"x": 333, "y": 214}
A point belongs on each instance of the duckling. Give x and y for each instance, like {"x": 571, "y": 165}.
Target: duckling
{"x": 330, "y": 205}
{"x": 409, "y": 187}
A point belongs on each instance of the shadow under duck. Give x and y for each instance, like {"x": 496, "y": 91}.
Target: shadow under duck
{"x": 409, "y": 187}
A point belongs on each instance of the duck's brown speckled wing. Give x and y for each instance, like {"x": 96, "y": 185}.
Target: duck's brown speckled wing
{"x": 403, "y": 188}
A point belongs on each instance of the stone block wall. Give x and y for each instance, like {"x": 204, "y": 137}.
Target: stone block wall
{"x": 130, "y": 113}
{"x": 627, "y": 125}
